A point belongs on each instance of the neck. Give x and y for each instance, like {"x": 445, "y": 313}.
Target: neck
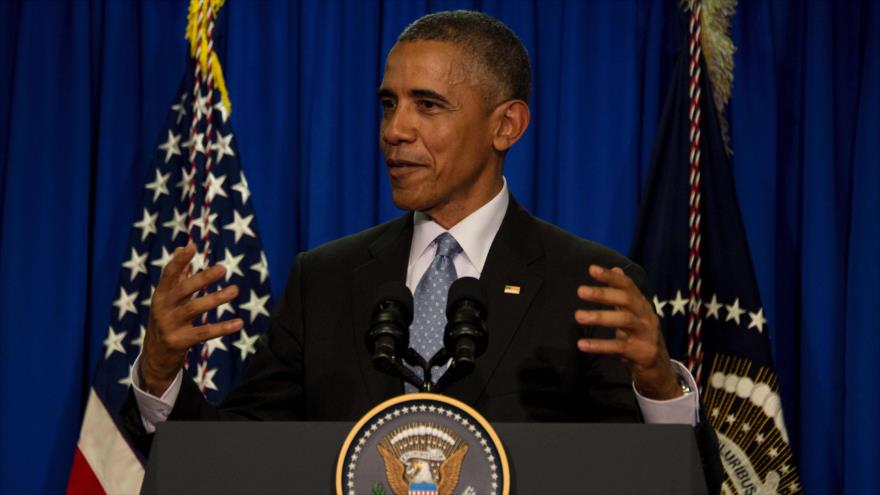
{"x": 449, "y": 214}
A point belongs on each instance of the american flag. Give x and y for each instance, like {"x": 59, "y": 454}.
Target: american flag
{"x": 196, "y": 191}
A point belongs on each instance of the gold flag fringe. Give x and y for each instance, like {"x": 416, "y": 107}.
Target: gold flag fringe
{"x": 199, "y": 34}
{"x": 718, "y": 49}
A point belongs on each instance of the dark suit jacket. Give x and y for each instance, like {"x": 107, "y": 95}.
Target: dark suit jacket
{"x": 314, "y": 365}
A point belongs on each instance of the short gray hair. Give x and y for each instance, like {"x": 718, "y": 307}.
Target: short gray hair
{"x": 496, "y": 49}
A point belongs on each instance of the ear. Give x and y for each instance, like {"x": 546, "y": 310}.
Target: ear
{"x": 511, "y": 120}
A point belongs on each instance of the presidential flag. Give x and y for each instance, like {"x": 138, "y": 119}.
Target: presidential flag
{"x": 691, "y": 240}
{"x": 196, "y": 191}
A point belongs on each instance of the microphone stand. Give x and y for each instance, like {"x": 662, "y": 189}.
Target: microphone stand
{"x": 427, "y": 384}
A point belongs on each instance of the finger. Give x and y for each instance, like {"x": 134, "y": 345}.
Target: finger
{"x": 199, "y": 281}
{"x": 617, "y": 319}
{"x": 211, "y": 331}
{"x": 177, "y": 266}
{"x": 611, "y": 296}
{"x": 199, "y": 305}
{"x": 614, "y": 277}
{"x": 602, "y": 346}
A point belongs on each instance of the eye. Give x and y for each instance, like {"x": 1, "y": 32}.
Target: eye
{"x": 429, "y": 105}
{"x": 387, "y": 103}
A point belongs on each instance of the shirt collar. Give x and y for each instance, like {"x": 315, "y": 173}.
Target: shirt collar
{"x": 474, "y": 233}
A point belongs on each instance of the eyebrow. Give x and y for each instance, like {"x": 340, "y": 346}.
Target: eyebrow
{"x": 415, "y": 93}
{"x": 429, "y": 94}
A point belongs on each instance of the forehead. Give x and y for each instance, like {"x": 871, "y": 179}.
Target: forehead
{"x": 428, "y": 64}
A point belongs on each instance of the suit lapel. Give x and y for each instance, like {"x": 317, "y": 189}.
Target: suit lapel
{"x": 390, "y": 255}
{"x": 513, "y": 250}
{"x": 507, "y": 269}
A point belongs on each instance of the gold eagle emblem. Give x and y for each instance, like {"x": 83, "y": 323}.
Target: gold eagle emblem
{"x": 422, "y": 454}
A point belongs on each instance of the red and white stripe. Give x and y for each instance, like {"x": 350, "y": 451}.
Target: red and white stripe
{"x": 104, "y": 462}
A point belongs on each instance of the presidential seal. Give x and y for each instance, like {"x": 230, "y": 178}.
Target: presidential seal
{"x": 422, "y": 444}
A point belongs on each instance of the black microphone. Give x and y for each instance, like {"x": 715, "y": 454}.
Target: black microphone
{"x": 466, "y": 336}
{"x": 388, "y": 336}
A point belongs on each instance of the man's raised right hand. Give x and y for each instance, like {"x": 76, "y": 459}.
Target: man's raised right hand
{"x": 170, "y": 332}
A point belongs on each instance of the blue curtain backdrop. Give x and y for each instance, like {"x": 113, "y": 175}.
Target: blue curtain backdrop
{"x": 84, "y": 87}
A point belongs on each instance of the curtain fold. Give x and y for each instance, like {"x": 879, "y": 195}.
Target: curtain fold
{"x": 86, "y": 85}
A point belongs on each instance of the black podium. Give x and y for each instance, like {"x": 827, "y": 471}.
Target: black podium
{"x": 300, "y": 457}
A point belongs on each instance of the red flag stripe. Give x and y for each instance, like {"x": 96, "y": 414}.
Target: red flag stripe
{"x": 82, "y": 479}
{"x": 106, "y": 453}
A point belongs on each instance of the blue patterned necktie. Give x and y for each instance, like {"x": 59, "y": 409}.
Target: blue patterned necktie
{"x": 426, "y": 332}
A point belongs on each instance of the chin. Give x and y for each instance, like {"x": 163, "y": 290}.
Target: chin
{"x": 408, "y": 201}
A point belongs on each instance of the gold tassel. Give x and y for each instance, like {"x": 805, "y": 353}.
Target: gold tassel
{"x": 197, "y": 35}
{"x": 718, "y": 51}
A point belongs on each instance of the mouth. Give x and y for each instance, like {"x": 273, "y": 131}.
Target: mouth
{"x": 401, "y": 169}
{"x": 403, "y": 164}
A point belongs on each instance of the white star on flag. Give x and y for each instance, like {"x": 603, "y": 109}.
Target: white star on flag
{"x": 186, "y": 177}
{"x": 149, "y": 299}
{"x": 231, "y": 263}
{"x": 170, "y": 147}
{"x": 202, "y": 105}
{"x": 125, "y": 303}
{"x": 163, "y": 260}
{"x": 261, "y": 267}
{"x": 177, "y": 224}
{"x": 196, "y": 140}
{"x": 147, "y": 224}
{"x": 757, "y": 320}
{"x": 223, "y": 146}
{"x": 240, "y": 226}
{"x": 137, "y": 264}
{"x": 126, "y": 379}
{"x": 678, "y": 304}
{"x": 197, "y": 263}
{"x": 712, "y": 307}
{"x": 256, "y": 305}
{"x": 139, "y": 342}
{"x": 113, "y": 342}
{"x": 159, "y": 185}
{"x": 245, "y": 344}
{"x": 214, "y": 344}
{"x": 199, "y": 222}
{"x": 179, "y": 108}
{"x": 733, "y": 311}
{"x": 224, "y": 308}
{"x": 205, "y": 377}
{"x": 658, "y": 306}
{"x": 215, "y": 186}
{"x": 224, "y": 112}
{"x": 242, "y": 188}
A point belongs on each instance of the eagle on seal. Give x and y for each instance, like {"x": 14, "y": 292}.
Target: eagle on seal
{"x": 422, "y": 459}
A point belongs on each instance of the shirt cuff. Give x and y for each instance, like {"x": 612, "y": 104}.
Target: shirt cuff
{"x": 154, "y": 410}
{"x": 680, "y": 410}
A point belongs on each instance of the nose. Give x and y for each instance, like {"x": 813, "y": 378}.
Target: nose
{"x": 398, "y": 126}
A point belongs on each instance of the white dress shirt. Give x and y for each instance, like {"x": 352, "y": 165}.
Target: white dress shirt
{"x": 475, "y": 235}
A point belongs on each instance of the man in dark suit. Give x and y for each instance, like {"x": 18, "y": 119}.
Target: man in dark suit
{"x": 572, "y": 335}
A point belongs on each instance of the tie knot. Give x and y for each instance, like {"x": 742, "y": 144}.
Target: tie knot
{"x": 447, "y": 245}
